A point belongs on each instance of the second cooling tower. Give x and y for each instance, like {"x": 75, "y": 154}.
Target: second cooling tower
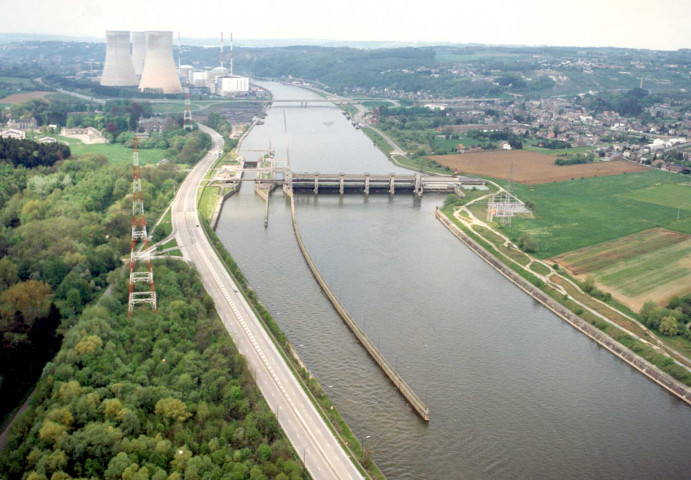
{"x": 117, "y": 69}
{"x": 138, "y": 51}
{"x": 159, "y": 72}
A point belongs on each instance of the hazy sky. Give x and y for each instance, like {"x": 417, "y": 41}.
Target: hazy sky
{"x": 656, "y": 24}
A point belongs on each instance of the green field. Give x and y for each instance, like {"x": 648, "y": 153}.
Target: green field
{"x": 649, "y": 265}
{"x": 66, "y": 98}
{"x": 118, "y": 153}
{"x": 450, "y": 144}
{"x": 575, "y": 214}
{"x": 668, "y": 195}
{"x": 208, "y": 202}
{"x": 645, "y": 273}
{"x": 557, "y": 152}
{"x": 376, "y": 103}
{"x": 173, "y": 107}
{"x": 17, "y": 82}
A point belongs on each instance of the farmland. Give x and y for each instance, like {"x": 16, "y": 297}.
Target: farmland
{"x": 16, "y": 98}
{"x": 676, "y": 195}
{"x": 530, "y": 167}
{"x": 651, "y": 265}
{"x": 576, "y": 214}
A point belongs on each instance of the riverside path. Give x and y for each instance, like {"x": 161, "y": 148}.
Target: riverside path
{"x": 312, "y": 439}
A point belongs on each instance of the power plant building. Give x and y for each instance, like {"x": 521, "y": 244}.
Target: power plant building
{"x": 159, "y": 73}
{"x": 138, "y": 51}
{"x": 118, "y": 70}
{"x": 199, "y": 78}
{"x": 186, "y": 72}
{"x": 232, "y": 85}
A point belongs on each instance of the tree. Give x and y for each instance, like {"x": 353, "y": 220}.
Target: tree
{"x": 647, "y": 310}
{"x": 8, "y": 273}
{"x": 527, "y": 243}
{"x": 588, "y": 284}
{"x": 31, "y": 298}
{"x": 173, "y": 409}
{"x": 669, "y": 326}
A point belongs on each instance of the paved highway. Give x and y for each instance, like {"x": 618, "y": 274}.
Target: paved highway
{"x": 305, "y": 428}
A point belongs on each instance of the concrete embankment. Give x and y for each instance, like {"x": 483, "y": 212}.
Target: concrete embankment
{"x": 648, "y": 369}
{"x": 388, "y": 370}
{"x": 221, "y": 201}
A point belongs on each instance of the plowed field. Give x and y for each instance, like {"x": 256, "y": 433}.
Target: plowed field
{"x": 530, "y": 167}
{"x": 651, "y": 265}
{"x": 23, "y": 97}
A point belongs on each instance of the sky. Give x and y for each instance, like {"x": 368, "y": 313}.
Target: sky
{"x": 652, "y": 24}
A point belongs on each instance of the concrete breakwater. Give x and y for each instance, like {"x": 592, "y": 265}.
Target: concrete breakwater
{"x": 642, "y": 365}
{"x": 388, "y": 370}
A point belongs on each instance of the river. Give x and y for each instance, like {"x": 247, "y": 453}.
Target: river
{"x": 513, "y": 391}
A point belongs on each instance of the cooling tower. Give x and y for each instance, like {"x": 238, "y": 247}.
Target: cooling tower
{"x": 159, "y": 67}
{"x": 118, "y": 70}
{"x": 138, "y": 51}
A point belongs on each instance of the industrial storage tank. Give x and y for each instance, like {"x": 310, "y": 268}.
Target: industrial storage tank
{"x": 159, "y": 72}
{"x": 117, "y": 69}
{"x": 138, "y": 51}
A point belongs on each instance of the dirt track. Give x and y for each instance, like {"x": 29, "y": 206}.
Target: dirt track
{"x": 529, "y": 167}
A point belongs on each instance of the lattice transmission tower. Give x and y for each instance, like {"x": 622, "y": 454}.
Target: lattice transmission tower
{"x": 187, "y": 117}
{"x": 142, "y": 289}
{"x": 187, "y": 113}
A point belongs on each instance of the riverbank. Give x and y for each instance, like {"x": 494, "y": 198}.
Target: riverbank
{"x": 604, "y": 317}
{"x": 651, "y": 371}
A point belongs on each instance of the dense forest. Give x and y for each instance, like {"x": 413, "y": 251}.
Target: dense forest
{"x": 157, "y": 396}
{"x": 63, "y": 228}
{"x": 29, "y": 154}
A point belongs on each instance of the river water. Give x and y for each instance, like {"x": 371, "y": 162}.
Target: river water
{"x": 513, "y": 391}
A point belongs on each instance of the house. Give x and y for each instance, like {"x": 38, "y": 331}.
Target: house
{"x": 153, "y": 124}
{"x": 87, "y": 135}
{"x": 505, "y": 146}
{"x": 13, "y": 133}
{"x": 676, "y": 168}
{"x": 23, "y": 124}
{"x": 47, "y": 140}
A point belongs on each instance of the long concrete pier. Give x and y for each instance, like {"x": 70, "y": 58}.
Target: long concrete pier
{"x": 388, "y": 370}
{"x": 660, "y": 377}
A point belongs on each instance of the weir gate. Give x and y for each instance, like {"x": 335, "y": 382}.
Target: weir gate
{"x": 364, "y": 183}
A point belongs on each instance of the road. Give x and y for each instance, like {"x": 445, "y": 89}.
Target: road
{"x": 322, "y": 454}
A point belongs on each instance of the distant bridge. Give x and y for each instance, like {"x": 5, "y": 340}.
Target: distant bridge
{"x": 347, "y": 101}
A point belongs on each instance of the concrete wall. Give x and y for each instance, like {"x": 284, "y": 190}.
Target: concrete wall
{"x": 395, "y": 378}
